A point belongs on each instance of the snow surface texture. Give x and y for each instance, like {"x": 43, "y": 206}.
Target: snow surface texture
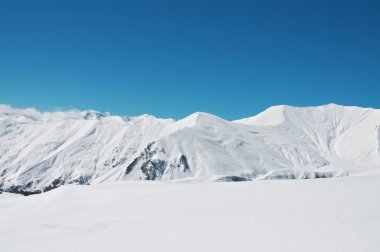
{"x": 43, "y": 150}
{"x": 334, "y": 214}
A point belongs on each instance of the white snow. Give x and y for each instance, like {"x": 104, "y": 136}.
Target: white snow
{"x": 184, "y": 211}
{"x": 41, "y": 149}
{"x": 338, "y": 214}
{"x": 5, "y": 195}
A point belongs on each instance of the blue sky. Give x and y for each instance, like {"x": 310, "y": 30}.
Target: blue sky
{"x": 172, "y": 58}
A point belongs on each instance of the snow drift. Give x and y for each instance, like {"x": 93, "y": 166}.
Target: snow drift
{"x": 329, "y": 215}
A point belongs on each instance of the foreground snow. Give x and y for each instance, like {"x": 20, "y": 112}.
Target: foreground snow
{"x": 338, "y": 214}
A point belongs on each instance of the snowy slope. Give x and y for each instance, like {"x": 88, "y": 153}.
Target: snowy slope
{"x": 345, "y": 136}
{"x": 337, "y": 214}
{"x": 42, "y": 150}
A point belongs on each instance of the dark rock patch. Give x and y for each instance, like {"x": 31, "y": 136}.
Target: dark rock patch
{"x": 232, "y": 179}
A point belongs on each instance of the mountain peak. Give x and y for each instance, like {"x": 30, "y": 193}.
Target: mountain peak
{"x": 93, "y": 115}
{"x": 279, "y": 114}
{"x": 272, "y": 116}
{"x": 200, "y": 118}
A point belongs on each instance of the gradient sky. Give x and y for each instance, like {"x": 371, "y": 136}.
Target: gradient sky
{"x": 172, "y": 58}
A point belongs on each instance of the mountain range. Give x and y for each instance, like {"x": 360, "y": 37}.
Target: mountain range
{"x": 43, "y": 150}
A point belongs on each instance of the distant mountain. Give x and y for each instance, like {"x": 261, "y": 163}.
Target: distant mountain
{"x": 43, "y": 150}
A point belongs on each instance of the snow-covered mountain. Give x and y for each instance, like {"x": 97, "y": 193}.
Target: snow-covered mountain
{"x": 42, "y": 150}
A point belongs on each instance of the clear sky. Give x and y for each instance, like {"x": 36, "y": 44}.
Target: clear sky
{"x": 173, "y": 58}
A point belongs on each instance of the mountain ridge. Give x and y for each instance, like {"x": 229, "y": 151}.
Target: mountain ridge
{"x": 43, "y": 150}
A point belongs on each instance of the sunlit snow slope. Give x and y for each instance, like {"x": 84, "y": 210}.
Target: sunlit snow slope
{"x": 42, "y": 150}
{"x": 329, "y": 215}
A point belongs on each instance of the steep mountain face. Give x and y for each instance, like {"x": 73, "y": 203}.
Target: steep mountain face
{"x": 40, "y": 151}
